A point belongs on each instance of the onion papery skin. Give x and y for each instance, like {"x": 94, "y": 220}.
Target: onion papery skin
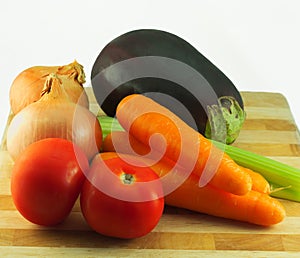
{"x": 54, "y": 116}
{"x": 78, "y": 125}
{"x": 27, "y": 86}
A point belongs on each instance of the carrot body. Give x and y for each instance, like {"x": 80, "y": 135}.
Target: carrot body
{"x": 259, "y": 183}
{"x": 143, "y": 118}
{"x": 117, "y": 142}
{"x": 253, "y": 207}
{"x": 119, "y": 138}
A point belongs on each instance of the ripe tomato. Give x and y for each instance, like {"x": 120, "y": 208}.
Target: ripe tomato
{"x": 47, "y": 179}
{"x": 120, "y": 199}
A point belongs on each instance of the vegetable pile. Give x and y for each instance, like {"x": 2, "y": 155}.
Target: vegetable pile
{"x": 230, "y": 191}
{"x": 55, "y": 141}
{"x": 124, "y": 170}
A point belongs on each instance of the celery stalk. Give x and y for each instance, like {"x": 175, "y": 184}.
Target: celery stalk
{"x": 285, "y": 192}
{"x": 108, "y": 125}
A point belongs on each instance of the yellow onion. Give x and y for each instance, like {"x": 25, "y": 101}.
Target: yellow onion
{"x": 54, "y": 115}
{"x": 27, "y": 86}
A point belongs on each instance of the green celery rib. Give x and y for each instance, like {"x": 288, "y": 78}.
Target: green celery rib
{"x": 285, "y": 193}
{"x": 108, "y": 125}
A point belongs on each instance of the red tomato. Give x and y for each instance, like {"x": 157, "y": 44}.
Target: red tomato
{"x": 47, "y": 179}
{"x": 120, "y": 199}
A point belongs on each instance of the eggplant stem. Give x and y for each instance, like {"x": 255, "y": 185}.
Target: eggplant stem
{"x": 228, "y": 111}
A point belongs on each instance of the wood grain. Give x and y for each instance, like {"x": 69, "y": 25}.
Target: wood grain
{"x": 269, "y": 130}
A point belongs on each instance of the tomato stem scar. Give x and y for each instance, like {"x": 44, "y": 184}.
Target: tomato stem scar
{"x": 127, "y": 178}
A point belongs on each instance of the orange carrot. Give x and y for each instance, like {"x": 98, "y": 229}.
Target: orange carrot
{"x": 253, "y": 207}
{"x": 144, "y": 118}
{"x": 259, "y": 183}
{"x": 119, "y": 138}
{"x": 117, "y": 142}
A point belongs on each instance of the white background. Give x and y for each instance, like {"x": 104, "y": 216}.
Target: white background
{"x": 255, "y": 43}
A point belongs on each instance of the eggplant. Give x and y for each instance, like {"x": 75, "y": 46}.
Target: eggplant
{"x": 171, "y": 71}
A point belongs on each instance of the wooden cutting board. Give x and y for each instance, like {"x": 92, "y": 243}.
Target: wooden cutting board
{"x": 269, "y": 130}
